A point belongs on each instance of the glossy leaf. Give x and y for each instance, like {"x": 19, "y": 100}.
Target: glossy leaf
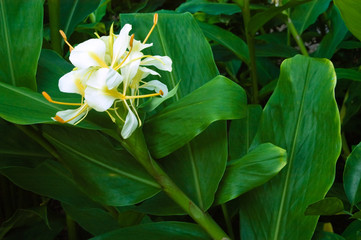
{"x": 302, "y": 117}
{"x": 242, "y": 132}
{"x": 351, "y": 14}
{"x": 327, "y": 206}
{"x": 275, "y": 50}
{"x": 334, "y": 37}
{"x": 95, "y": 220}
{"x": 21, "y": 40}
{"x": 157, "y": 231}
{"x": 219, "y": 99}
{"x": 107, "y": 175}
{"x": 250, "y": 171}
{"x": 306, "y": 14}
{"x": 346, "y": 73}
{"x": 209, "y": 8}
{"x": 72, "y": 12}
{"x": 226, "y": 39}
{"x": 352, "y": 176}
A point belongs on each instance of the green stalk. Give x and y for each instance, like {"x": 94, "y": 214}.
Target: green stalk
{"x": 71, "y": 226}
{"x": 251, "y": 49}
{"x": 296, "y": 36}
{"x": 228, "y": 221}
{"x": 137, "y": 146}
{"x": 54, "y": 22}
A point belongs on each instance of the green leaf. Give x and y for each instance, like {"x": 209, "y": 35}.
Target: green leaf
{"x": 346, "y": 73}
{"x": 21, "y": 40}
{"x": 353, "y": 231}
{"x": 107, "y": 175}
{"x": 352, "y": 176}
{"x": 23, "y": 217}
{"x": 250, "y": 171}
{"x": 174, "y": 126}
{"x": 351, "y": 14}
{"x": 209, "y": 8}
{"x": 302, "y": 117}
{"x": 306, "y": 14}
{"x": 157, "y": 231}
{"x": 357, "y": 215}
{"x": 226, "y": 39}
{"x": 327, "y": 206}
{"x": 327, "y": 236}
{"x": 242, "y": 132}
{"x": 72, "y": 12}
{"x": 94, "y": 220}
{"x": 259, "y": 19}
{"x": 334, "y": 37}
{"x": 275, "y": 50}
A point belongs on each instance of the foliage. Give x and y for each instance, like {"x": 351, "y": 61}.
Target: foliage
{"x": 257, "y": 137}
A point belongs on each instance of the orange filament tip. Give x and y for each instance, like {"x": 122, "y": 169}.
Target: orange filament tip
{"x": 59, "y": 119}
{"x": 46, "y": 96}
{"x": 161, "y": 92}
{"x": 131, "y": 40}
{"x": 63, "y": 34}
{"x": 155, "y": 19}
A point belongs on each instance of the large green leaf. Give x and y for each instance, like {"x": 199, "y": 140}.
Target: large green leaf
{"x": 21, "y": 39}
{"x": 302, "y": 117}
{"x": 179, "y": 36}
{"x": 157, "y": 231}
{"x": 209, "y": 8}
{"x": 334, "y": 37}
{"x": 250, "y": 171}
{"x": 174, "y": 126}
{"x": 110, "y": 176}
{"x": 226, "y": 39}
{"x": 327, "y": 206}
{"x": 352, "y": 176}
{"x": 351, "y": 14}
{"x": 346, "y": 73}
{"x": 72, "y": 12}
{"x": 242, "y": 132}
{"x": 306, "y": 14}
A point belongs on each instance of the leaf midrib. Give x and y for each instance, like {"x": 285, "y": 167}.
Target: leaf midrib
{"x": 7, "y": 42}
{"x": 291, "y": 159}
{"x": 94, "y": 161}
{"x": 307, "y": 16}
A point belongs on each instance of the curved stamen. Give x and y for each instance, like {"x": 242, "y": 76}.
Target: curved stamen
{"x": 66, "y": 40}
{"x": 130, "y": 50}
{"x": 155, "y": 21}
{"x": 144, "y": 56}
{"x": 145, "y": 96}
{"x": 47, "y": 97}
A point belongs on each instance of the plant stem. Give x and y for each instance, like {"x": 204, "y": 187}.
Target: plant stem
{"x": 251, "y": 49}
{"x": 296, "y": 36}
{"x": 54, "y": 22}
{"x": 137, "y": 147}
{"x": 228, "y": 220}
{"x": 71, "y": 226}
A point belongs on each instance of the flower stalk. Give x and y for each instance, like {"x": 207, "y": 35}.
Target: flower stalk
{"x": 137, "y": 146}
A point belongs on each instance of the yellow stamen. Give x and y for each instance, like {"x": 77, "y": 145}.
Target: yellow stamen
{"x": 66, "y": 40}
{"x": 111, "y": 41}
{"x": 145, "y": 96}
{"x": 98, "y": 60}
{"x": 47, "y": 97}
{"x": 155, "y": 21}
{"x": 144, "y": 56}
{"x": 130, "y": 50}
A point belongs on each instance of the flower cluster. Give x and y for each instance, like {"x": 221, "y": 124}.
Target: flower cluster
{"x": 110, "y": 70}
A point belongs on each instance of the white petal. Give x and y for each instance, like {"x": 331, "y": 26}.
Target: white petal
{"x": 131, "y": 69}
{"x": 74, "y": 114}
{"x": 161, "y": 62}
{"x": 131, "y": 123}
{"x": 82, "y": 55}
{"x": 98, "y": 78}
{"x": 139, "y": 46}
{"x": 74, "y": 81}
{"x": 147, "y": 71}
{"x": 122, "y": 42}
{"x": 98, "y": 99}
{"x": 114, "y": 79}
{"x": 156, "y": 86}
